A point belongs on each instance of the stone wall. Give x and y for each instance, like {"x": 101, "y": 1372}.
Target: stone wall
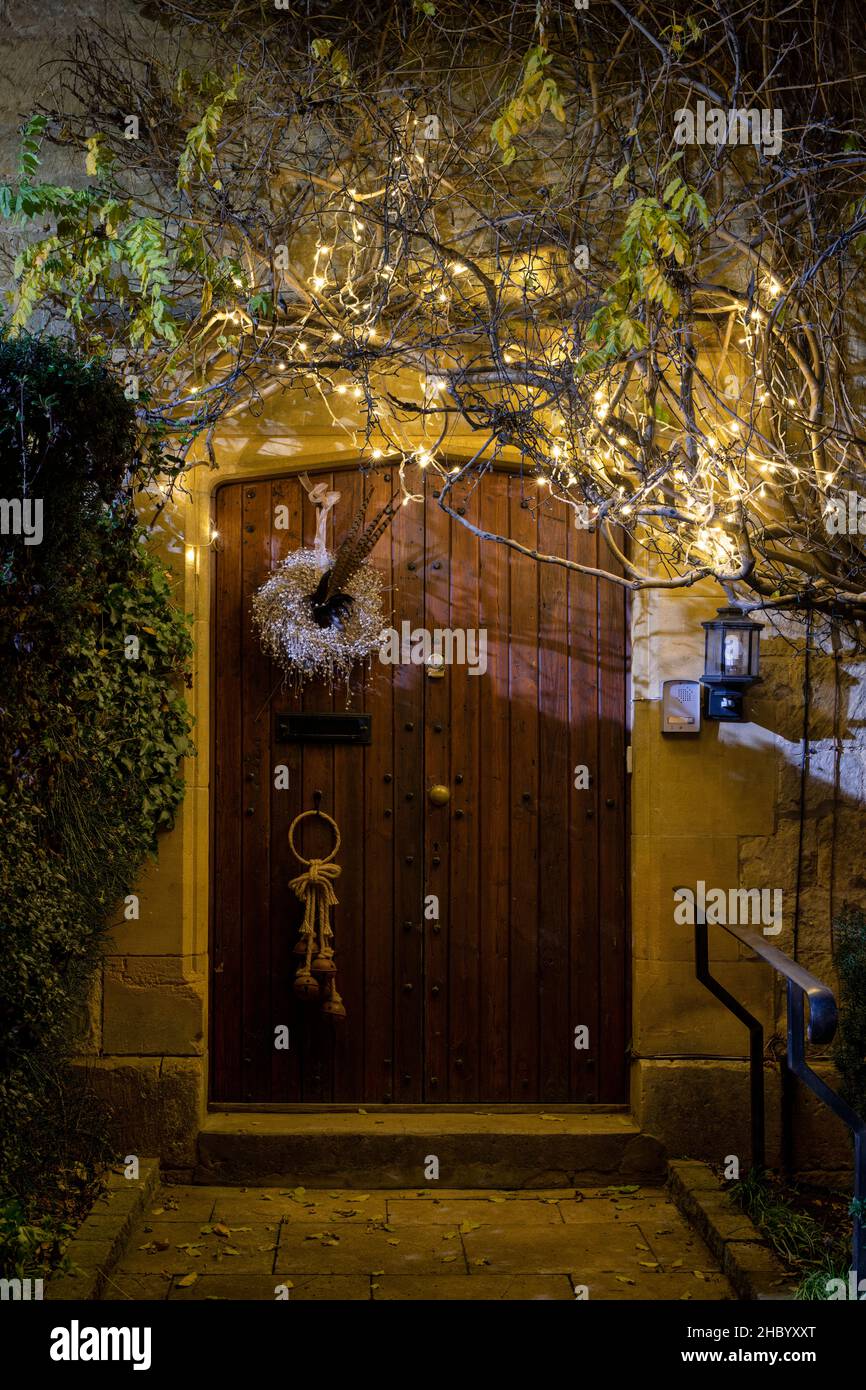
{"x": 725, "y": 807}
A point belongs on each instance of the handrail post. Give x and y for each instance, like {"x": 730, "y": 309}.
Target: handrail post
{"x": 756, "y": 1043}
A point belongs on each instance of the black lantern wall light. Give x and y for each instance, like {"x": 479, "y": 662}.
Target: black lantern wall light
{"x": 731, "y": 657}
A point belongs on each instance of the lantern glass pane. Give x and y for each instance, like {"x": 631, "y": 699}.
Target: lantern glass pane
{"x": 713, "y": 653}
{"x": 736, "y": 652}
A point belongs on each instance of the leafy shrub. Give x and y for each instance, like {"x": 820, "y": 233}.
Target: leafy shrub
{"x": 849, "y": 1051}
{"x": 68, "y": 435}
{"x": 92, "y": 740}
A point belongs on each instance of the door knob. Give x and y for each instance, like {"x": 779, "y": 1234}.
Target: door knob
{"x": 439, "y": 794}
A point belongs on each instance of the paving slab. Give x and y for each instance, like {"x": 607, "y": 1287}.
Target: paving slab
{"x": 429, "y": 1250}
{"x": 480, "y": 1288}
{"x": 554, "y": 1249}
{"x": 453, "y": 1211}
{"x": 303, "y": 1288}
{"x": 645, "y": 1286}
{"x": 672, "y": 1243}
{"x": 254, "y": 1248}
{"x": 275, "y": 1204}
{"x": 183, "y": 1203}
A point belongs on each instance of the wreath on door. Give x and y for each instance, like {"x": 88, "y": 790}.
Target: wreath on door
{"x": 320, "y": 612}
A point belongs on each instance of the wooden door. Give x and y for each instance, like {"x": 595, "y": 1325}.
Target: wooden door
{"x": 479, "y": 1003}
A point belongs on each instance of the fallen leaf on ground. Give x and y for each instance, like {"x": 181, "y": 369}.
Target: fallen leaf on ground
{"x": 187, "y": 1281}
{"x": 220, "y": 1230}
{"x": 468, "y": 1226}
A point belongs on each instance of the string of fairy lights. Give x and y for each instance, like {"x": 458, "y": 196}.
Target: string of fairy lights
{"x": 581, "y": 440}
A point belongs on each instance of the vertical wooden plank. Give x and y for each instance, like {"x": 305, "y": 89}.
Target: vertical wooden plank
{"x": 493, "y": 804}
{"x": 317, "y": 761}
{"x": 408, "y": 575}
{"x": 349, "y": 815}
{"x": 612, "y": 862}
{"x": 584, "y": 937}
{"x": 524, "y": 817}
{"x": 286, "y": 495}
{"x": 227, "y": 954}
{"x": 554, "y": 796}
{"x": 437, "y": 819}
{"x": 256, "y": 1031}
{"x": 466, "y": 865}
{"x": 379, "y": 841}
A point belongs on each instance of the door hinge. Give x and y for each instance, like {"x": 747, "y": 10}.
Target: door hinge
{"x": 628, "y": 758}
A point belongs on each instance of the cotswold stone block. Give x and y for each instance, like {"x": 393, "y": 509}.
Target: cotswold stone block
{"x": 700, "y": 1110}
{"x": 156, "y": 1104}
{"x": 154, "y": 1005}
{"x": 182, "y": 1105}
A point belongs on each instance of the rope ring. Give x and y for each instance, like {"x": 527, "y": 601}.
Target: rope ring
{"x": 322, "y": 815}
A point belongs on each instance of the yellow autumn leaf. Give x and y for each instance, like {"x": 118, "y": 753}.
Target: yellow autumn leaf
{"x": 187, "y": 1281}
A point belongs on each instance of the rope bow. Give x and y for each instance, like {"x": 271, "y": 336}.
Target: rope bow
{"x": 316, "y": 975}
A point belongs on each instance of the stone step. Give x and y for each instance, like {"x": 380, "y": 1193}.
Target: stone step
{"x": 390, "y": 1148}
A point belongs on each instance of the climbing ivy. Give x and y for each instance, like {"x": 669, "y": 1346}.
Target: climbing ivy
{"x": 93, "y": 732}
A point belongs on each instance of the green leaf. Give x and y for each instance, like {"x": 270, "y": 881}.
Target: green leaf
{"x": 32, "y": 134}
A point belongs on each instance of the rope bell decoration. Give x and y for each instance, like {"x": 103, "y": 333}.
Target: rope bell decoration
{"x": 316, "y": 975}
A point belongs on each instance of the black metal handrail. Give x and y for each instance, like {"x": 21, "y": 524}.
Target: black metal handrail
{"x": 801, "y": 987}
